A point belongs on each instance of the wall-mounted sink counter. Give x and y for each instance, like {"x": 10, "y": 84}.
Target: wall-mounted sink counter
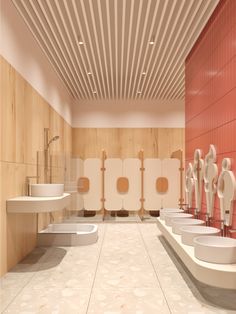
{"x": 216, "y": 275}
{"x": 32, "y": 204}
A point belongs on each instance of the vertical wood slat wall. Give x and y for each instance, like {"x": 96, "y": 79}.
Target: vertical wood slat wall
{"x": 211, "y": 90}
{"x": 23, "y": 116}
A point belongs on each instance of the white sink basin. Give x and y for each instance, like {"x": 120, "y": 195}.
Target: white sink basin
{"x": 46, "y": 189}
{"x": 164, "y": 211}
{"x": 188, "y": 233}
{"x": 217, "y": 249}
{"x": 177, "y": 223}
{"x": 33, "y": 204}
{"x": 170, "y": 216}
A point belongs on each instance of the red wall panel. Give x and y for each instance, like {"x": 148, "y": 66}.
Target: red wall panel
{"x": 210, "y": 103}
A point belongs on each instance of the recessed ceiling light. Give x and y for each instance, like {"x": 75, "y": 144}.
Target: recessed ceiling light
{"x": 151, "y": 42}
{"x": 80, "y": 41}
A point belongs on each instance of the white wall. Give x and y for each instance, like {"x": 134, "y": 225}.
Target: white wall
{"x": 21, "y": 50}
{"x": 125, "y": 114}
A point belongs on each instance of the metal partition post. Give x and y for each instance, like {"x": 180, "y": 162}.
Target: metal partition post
{"x": 103, "y": 169}
{"x": 142, "y": 169}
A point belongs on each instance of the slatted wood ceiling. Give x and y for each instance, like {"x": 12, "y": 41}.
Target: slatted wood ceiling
{"x": 116, "y": 59}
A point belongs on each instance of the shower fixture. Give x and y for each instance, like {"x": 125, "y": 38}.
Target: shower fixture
{"x": 47, "y": 144}
{"x": 52, "y": 140}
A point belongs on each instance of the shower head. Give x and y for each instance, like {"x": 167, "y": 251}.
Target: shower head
{"x": 53, "y": 139}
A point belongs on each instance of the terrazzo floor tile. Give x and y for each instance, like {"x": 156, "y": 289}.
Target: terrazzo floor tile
{"x": 132, "y": 279}
{"x": 50, "y": 300}
{"x": 130, "y": 269}
{"x": 10, "y": 285}
{"x": 178, "y": 286}
{"x": 182, "y": 301}
{"x": 128, "y": 301}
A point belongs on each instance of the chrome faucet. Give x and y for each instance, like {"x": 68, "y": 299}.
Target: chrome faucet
{"x": 208, "y": 219}
{"x": 222, "y": 225}
{"x": 196, "y": 213}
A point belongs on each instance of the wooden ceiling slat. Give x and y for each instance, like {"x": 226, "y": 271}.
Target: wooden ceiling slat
{"x": 116, "y": 50}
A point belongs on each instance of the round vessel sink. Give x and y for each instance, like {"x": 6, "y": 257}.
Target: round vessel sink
{"x": 46, "y": 189}
{"x": 165, "y": 211}
{"x": 188, "y": 233}
{"x": 216, "y": 249}
{"x": 170, "y": 216}
{"x": 177, "y": 223}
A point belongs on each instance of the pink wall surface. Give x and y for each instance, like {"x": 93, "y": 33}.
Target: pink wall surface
{"x": 129, "y": 114}
{"x": 210, "y": 104}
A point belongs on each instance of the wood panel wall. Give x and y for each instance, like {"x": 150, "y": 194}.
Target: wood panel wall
{"x": 211, "y": 91}
{"x": 126, "y": 142}
{"x": 23, "y": 116}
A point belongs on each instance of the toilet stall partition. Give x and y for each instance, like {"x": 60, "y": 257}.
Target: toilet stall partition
{"x": 161, "y": 183}
{"x": 122, "y": 184}
{"x": 132, "y": 184}
{"x": 86, "y": 180}
{"x": 92, "y": 196}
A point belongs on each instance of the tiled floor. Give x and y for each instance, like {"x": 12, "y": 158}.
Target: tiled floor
{"x": 129, "y": 270}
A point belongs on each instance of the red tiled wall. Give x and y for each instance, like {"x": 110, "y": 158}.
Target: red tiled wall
{"x": 210, "y": 102}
